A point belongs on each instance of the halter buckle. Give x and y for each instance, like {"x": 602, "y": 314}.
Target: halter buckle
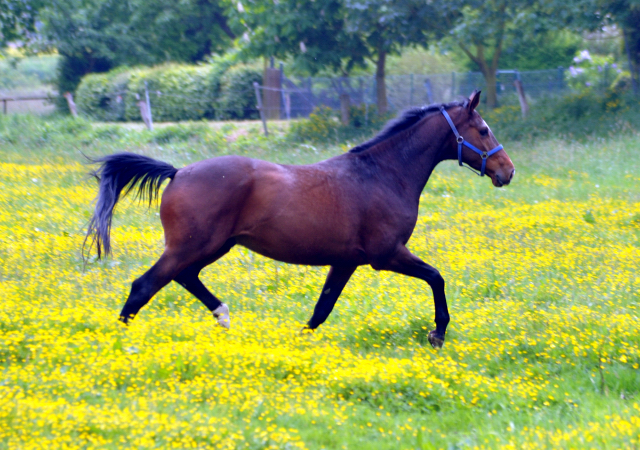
{"x": 459, "y": 139}
{"x": 485, "y": 155}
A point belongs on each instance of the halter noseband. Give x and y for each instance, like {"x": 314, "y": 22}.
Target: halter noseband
{"x": 460, "y": 140}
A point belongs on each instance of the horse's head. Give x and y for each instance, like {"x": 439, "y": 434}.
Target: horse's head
{"x": 476, "y": 145}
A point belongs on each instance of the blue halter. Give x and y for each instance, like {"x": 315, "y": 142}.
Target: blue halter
{"x": 460, "y": 140}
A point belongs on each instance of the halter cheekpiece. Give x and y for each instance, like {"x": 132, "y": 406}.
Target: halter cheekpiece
{"x": 460, "y": 140}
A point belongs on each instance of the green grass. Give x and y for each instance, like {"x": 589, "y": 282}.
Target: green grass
{"x": 529, "y": 268}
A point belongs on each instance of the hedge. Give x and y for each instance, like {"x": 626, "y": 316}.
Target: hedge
{"x": 176, "y": 92}
{"x": 237, "y": 98}
{"x": 102, "y": 96}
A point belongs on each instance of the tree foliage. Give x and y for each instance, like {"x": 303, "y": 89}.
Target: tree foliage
{"x": 386, "y": 26}
{"x": 625, "y": 14}
{"x": 187, "y": 30}
{"x": 546, "y": 50}
{"x": 18, "y": 20}
{"x": 98, "y": 35}
{"x": 313, "y": 34}
{"x": 486, "y": 27}
{"x": 340, "y": 34}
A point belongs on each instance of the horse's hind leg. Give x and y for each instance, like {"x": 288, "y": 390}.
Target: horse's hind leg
{"x": 188, "y": 279}
{"x": 336, "y": 281}
{"x": 161, "y": 273}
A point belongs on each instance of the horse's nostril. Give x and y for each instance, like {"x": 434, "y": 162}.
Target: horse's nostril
{"x": 513, "y": 172}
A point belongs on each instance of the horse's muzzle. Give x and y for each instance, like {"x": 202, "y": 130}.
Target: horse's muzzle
{"x": 500, "y": 180}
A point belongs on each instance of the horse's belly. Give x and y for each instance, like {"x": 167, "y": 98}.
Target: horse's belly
{"x": 309, "y": 252}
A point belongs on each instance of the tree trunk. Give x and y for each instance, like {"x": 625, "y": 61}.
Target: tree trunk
{"x": 491, "y": 78}
{"x": 345, "y": 105}
{"x": 489, "y": 68}
{"x": 381, "y": 88}
{"x": 271, "y": 98}
{"x": 632, "y": 43}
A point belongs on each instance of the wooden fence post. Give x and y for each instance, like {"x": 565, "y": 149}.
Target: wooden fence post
{"x": 453, "y": 85}
{"x": 71, "y": 103}
{"x": 524, "y": 106}
{"x": 150, "y": 116}
{"x": 411, "y": 91}
{"x": 144, "y": 113}
{"x": 429, "y": 89}
{"x": 256, "y": 86}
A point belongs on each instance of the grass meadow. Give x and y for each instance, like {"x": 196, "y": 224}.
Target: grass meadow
{"x": 543, "y": 350}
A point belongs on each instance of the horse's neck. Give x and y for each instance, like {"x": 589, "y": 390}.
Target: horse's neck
{"x": 411, "y": 156}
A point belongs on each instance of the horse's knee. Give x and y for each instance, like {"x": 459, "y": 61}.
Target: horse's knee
{"x": 139, "y": 286}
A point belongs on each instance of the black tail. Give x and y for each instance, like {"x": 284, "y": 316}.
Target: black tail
{"x": 122, "y": 171}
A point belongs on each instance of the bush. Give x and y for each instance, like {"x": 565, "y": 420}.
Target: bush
{"x": 237, "y": 98}
{"x": 579, "y": 115}
{"x": 366, "y": 117}
{"x": 323, "y": 125}
{"x": 219, "y": 65}
{"x": 176, "y": 92}
{"x": 578, "y": 106}
{"x": 591, "y": 71}
{"x": 102, "y": 96}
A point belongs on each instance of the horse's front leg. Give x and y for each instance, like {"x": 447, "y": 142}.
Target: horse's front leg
{"x": 406, "y": 263}
{"x": 336, "y": 281}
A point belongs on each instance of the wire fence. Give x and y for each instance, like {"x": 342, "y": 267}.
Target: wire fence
{"x": 21, "y": 102}
{"x": 300, "y": 96}
{"x": 404, "y": 91}
{"x": 295, "y": 97}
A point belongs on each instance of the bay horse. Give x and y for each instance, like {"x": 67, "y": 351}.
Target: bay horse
{"x": 354, "y": 209}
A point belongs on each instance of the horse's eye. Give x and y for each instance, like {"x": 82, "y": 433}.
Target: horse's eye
{"x": 484, "y": 131}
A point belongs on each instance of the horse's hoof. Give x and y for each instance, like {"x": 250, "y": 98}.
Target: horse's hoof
{"x": 222, "y": 314}
{"x": 125, "y": 320}
{"x": 435, "y": 341}
{"x": 306, "y": 330}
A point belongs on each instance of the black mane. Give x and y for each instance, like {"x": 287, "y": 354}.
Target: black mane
{"x": 404, "y": 121}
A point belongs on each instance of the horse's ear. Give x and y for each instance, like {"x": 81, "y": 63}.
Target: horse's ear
{"x": 474, "y": 100}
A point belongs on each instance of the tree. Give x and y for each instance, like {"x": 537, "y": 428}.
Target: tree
{"x": 312, "y": 33}
{"x": 487, "y": 25}
{"x": 631, "y": 29}
{"x": 340, "y": 33}
{"x": 98, "y": 35}
{"x": 482, "y": 31}
{"x": 91, "y": 36}
{"x": 188, "y": 30}
{"x": 386, "y": 26}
